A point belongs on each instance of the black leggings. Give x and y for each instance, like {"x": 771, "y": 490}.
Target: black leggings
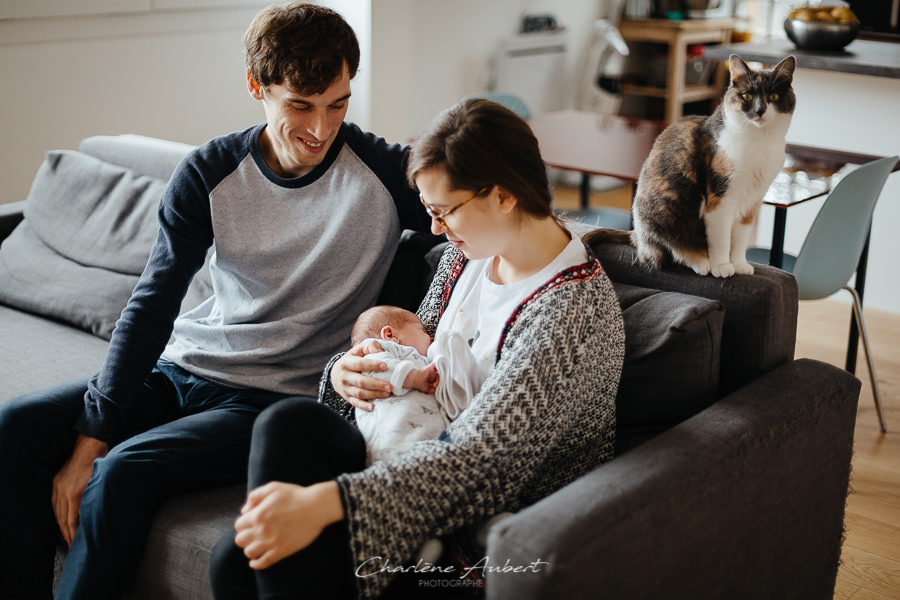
{"x": 295, "y": 441}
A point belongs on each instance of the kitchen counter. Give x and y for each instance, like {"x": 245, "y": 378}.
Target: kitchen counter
{"x": 860, "y": 57}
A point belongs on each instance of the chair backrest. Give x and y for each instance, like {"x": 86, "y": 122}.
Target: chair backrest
{"x": 835, "y": 241}
{"x": 510, "y": 101}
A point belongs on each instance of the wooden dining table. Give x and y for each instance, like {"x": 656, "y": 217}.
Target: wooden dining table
{"x": 593, "y": 143}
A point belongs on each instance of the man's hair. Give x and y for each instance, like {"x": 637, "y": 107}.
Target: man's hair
{"x": 302, "y": 46}
{"x": 370, "y": 322}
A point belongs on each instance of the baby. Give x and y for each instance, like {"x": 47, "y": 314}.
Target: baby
{"x": 432, "y": 381}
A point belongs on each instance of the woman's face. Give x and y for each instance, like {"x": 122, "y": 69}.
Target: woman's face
{"x": 475, "y": 228}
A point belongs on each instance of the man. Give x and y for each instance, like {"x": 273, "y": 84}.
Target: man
{"x": 304, "y": 212}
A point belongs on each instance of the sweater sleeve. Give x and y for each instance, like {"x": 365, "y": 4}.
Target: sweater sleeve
{"x": 545, "y": 416}
{"x": 144, "y": 328}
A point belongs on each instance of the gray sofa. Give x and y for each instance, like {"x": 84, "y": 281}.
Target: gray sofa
{"x": 733, "y": 459}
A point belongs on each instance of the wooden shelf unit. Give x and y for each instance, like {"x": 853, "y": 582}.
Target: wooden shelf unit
{"x": 678, "y": 35}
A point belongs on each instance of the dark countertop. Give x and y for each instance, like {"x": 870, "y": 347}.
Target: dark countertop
{"x": 861, "y": 57}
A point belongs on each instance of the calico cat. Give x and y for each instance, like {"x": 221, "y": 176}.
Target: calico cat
{"x": 701, "y": 187}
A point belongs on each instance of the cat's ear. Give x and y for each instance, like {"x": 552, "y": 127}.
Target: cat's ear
{"x": 784, "y": 71}
{"x": 738, "y": 68}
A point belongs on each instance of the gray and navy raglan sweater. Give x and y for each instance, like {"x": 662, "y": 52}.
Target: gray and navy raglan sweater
{"x": 544, "y": 417}
{"x": 294, "y": 262}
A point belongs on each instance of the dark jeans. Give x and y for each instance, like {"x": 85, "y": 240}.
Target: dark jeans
{"x": 183, "y": 433}
{"x": 303, "y": 442}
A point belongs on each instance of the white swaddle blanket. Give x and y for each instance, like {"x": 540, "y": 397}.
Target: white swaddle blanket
{"x": 409, "y": 416}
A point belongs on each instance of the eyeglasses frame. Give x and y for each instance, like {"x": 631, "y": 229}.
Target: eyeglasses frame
{"x": 439, "y": 217}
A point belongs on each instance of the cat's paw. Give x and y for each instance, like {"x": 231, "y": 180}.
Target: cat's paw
{"x": 723, "y": 270}
{"x": 743, "y": 268}
{"x": 700, "y": 267}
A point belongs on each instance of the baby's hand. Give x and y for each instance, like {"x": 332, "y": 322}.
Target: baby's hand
{"x": 425, "y": 379}
{"x": 431, "y": 378}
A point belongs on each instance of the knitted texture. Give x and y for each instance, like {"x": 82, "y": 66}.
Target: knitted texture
{"x": 544, "y": 417}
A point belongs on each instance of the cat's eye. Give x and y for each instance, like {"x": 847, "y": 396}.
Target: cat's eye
{"x": 746, "y": 96}
{"x": 773, "y": 97}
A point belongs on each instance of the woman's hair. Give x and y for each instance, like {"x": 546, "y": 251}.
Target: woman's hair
{"x": 371, "y": 321}
{"x": 479, "y": 144}
{"x": 301, "y": 45}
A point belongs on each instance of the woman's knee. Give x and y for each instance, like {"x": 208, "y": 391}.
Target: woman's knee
{"x": 230, "y": 575}
{"x": 291, "y": 417}
{"x": 303, "y": 441}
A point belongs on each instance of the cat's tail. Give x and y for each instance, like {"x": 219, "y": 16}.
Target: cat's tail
{"x": 607, "y": 234}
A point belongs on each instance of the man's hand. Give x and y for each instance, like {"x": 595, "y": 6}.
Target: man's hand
{"x": 280, "y": 519}
{"x": 71, "y": 481}
{"x": 348, "y": 380}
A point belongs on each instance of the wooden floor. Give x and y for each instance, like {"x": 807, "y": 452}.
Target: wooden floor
{"x": 870, "y": 568}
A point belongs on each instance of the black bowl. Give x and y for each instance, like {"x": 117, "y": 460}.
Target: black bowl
{"x": 820, "y": 35}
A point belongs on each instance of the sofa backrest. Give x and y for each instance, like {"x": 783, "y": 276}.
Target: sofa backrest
{"x": 145, "y": 155}
{"x": 89, "y": 223}
{"x": 759, "y": 331}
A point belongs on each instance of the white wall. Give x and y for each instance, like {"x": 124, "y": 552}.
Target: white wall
{"x": 173, "y": 68}
{"x": 427, "y": 54}
{"x": 164, "y": 68}
{"x": 170, "y": 73}
{"x": 856, "y": 113}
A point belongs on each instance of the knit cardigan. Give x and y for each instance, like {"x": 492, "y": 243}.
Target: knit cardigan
{"x": 544, "y": 417}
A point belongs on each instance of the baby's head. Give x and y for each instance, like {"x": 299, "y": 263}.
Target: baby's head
{"x": 391, "y": 323}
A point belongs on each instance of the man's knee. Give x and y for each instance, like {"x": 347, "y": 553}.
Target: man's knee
{"x": 123, "y": 472}
{"x": 47, "y": 415}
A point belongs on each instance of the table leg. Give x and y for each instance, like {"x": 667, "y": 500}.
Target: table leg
{"x": 776, "y": 254}
{"x": 585, "y": 191}
{"x": 853, "y": 338}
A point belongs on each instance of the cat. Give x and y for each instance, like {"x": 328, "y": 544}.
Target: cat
{"x": 700, "y": 188}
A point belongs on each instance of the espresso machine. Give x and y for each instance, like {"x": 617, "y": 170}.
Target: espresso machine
{"x": 601, "y": 83}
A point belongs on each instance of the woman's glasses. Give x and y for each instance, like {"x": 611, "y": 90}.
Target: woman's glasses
{"x": 439, "y": 216}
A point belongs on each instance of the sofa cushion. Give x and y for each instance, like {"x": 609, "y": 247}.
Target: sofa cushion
{"x": 36, "y": 279}
{"x": 671, "y": 370}
{"x": 36, "y": 352}
{"x": 93, "y": 212}
{"x": 87, "y": 233}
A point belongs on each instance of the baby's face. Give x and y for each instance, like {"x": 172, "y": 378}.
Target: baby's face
{"x": 412, "y": 333}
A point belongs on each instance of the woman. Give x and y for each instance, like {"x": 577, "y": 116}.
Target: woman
{"x": 535, "y": 305}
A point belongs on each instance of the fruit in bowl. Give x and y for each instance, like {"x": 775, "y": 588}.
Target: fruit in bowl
{"x": 821, "y": 27}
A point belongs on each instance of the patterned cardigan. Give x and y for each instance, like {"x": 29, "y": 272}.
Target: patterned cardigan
{"x": 544, "y": 417}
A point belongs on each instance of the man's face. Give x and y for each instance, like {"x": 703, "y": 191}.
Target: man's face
{"x": 300, "y": 129}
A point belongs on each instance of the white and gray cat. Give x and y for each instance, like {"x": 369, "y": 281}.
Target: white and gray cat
{"x": 701, "y": 187}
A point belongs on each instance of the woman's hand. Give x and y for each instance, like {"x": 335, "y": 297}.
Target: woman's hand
{"x": 280, "y": 519}
{"x": 348, "y": 380}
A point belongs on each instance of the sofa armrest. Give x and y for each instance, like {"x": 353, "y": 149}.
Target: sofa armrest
{"x": 11, "y": 214}
{"x": 760, "y": 327}
{"x": 744, "y": 500}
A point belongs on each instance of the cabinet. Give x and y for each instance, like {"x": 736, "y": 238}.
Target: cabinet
{"x": 678, "y": 35}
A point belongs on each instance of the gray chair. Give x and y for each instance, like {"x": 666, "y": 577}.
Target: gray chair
{"x": 835, "y": 241}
